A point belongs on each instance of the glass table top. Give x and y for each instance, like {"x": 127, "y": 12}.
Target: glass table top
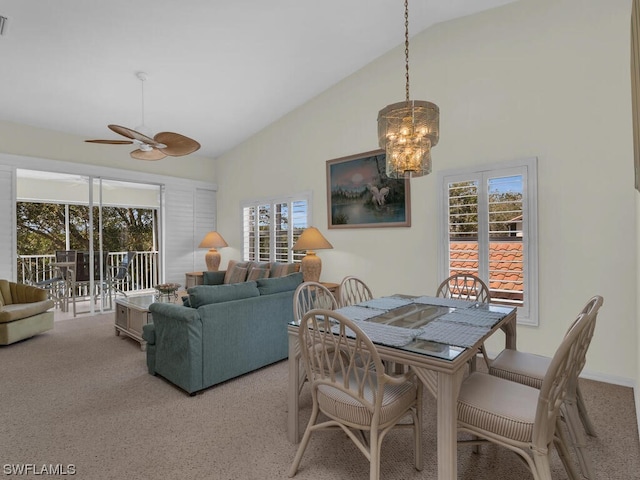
{"x": 418, "y": 320}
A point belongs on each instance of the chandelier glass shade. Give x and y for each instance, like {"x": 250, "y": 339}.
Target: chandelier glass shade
{"x": 408, "y": 130}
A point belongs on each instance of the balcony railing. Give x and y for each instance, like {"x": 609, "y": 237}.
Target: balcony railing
{"x": 143, "y": 271}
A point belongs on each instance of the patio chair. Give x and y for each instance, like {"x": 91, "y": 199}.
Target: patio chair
{"x": 120, "y": 274}
{"x": 355, "y": 399}
{"x": 66, "y": 263}
{"x": 524, "y": 419}
{"x": 353, "y": 290}
{"x": 49, "y": 279}
{"x": 530, "y": 369}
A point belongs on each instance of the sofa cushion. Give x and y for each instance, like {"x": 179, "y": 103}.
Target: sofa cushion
{"x": 278, "y": 269}
{"x": 268, "y": 286}
{"x": 256, "y": 273}
{"x": 213, "y": 278}
{"x": 205, "y": 294}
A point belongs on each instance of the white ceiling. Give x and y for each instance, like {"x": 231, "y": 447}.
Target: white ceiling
{"x": 218, "y": 71}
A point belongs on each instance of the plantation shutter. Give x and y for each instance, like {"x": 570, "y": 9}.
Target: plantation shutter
{"x": 490, "y": 225}
{"x": 271, "y": 227}
{"x": 8, "y": 223}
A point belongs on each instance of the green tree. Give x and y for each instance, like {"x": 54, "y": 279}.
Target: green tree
{"x": 41, "y": 228}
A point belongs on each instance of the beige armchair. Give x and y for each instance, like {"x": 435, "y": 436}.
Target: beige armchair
{"x": 24, "y": 311}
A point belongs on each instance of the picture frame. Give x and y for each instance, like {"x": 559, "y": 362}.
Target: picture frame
{"x": 360, "y": 195}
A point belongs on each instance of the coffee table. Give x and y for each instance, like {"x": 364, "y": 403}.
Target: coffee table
{"x": 132, "y": 313}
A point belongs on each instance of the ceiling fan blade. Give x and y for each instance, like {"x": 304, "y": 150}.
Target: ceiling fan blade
{"x": 129, "y": 133}
{"x": 176, "y": 145}
{"x": 153, "y": 154}
{"x": 111, "y": 142}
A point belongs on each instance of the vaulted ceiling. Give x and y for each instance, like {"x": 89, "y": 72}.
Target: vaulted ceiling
{"x": 218, "y": 71}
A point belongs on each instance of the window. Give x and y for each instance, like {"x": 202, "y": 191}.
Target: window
{"x": 271, "y": 227}
{"x": 489, "y": 229}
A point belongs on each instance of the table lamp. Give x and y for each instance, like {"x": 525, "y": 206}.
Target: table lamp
{"x": 212, "y": 240}
{"x": 310, "y": 240}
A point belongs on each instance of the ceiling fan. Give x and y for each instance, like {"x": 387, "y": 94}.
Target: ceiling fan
{"x": 156, "y": 148}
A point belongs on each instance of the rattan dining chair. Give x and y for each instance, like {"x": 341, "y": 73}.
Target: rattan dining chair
{"x": 524, "y": 419}
{"x": 352, "y": 291}
{"x": 465, "y": 286}
{"x": 355, "y": 399}
{"x": 530, "y": 369}
{"x": 309, "y": 296}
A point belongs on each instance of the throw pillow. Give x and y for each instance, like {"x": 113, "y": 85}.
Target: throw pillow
{"x": 256, "y": 273}
{"x": 278, "y": 269}
{"x": 206, "y": 294}
{"x": 237, "y": 274}
{"x": 253, "y": 265}
{"x": 234, "y": 263}
{"x": 268, "y": 286}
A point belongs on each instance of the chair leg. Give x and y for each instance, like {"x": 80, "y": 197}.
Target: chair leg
{"x": 417, "y": 433}
{"x": 542, "y": 467}
{"x": 560, "y": 441}
{"x": 374, "y": 454}
{"x": 576, "y": 436}
{"x": 582, "y": 410}
{"x": 305, "y": 440}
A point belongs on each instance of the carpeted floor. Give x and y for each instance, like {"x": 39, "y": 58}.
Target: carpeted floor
{"x": 81, "y": 396}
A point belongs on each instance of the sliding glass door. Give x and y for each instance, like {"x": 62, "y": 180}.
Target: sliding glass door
{"x": 101, "y": 219}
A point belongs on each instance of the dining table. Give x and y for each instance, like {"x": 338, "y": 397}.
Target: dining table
{"x": 435, "y": 337}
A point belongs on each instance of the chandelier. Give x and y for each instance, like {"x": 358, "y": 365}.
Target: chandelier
{"x": 407, "y": 130}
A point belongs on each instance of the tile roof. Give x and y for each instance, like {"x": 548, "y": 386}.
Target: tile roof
{"x": 505, "y": 266}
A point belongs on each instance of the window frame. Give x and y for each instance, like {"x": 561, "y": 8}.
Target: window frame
{"x": 527, "y": 167}
{"x": 292, "y": 257}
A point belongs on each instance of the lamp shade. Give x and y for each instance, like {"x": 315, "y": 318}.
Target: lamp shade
{"x": 212, "y": 240}
{"x": 312, "y": 239}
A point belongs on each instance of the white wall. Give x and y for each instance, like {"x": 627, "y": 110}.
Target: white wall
{"x": 544, "y": 78}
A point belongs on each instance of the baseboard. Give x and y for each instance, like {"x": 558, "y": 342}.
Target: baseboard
{"x": 614, "y": 380}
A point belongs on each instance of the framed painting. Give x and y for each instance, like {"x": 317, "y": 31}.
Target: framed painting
{"x": 360, "y": 195}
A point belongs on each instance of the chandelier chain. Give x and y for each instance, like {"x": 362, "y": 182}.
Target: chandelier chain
{"x": 406, "y": 44}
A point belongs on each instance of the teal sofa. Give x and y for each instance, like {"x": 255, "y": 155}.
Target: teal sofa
{"x": 224, "y": 332}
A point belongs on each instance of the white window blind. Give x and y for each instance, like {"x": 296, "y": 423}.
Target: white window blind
{"x": 271, "y": 227}
{"x": 489, "y": 225}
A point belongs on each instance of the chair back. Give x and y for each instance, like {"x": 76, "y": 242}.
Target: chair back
{"x": 563, "y": 371}
{"x": 334, "y": 349}
{"x": 310, "y": 295}
{"x": 69, "y": 257}
{"x": 464, "y": 287}
{"x": 123, "y": 268}
{"x": 82, "y": 266}
{"x": 352, "y": 291}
